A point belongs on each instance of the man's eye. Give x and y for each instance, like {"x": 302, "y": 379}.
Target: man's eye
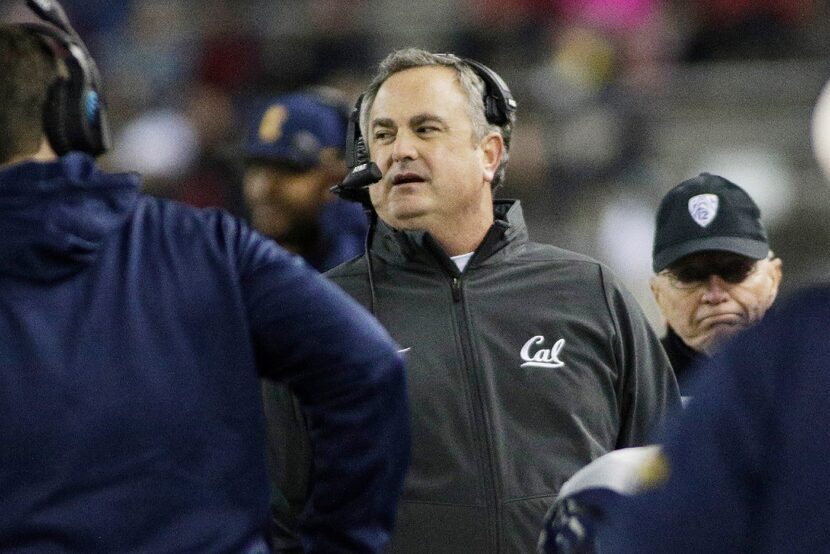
{"x": 426, "y": 129}
{"x": 737, "y": 272}
{"x": 691, "y": 275}
{"x": 733, "y": 272}
{"x": 382, "y": 135}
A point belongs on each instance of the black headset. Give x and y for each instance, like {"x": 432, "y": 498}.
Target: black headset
{"x": 362, "y": 170}
{"x": 498, "y": 106}
{"x": 75, "y": 116}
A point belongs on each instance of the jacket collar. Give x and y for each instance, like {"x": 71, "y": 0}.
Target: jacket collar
{"x": 402, "y": 247}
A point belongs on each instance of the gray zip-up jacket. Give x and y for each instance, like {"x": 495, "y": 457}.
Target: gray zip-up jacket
{"x": 521, "y": 370}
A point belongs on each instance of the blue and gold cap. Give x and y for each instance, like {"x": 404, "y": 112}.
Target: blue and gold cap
{"x": 299, "y": 130}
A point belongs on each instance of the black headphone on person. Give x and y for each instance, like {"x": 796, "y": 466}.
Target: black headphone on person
{"x": 498, "y": 106}
{"x": 75, "y": 116}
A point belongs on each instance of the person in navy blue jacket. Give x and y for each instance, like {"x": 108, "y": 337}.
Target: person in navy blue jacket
{"x": 133, "y": 331}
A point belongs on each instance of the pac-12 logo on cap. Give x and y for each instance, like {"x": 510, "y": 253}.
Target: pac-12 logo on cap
{"x": 703, "y": 208}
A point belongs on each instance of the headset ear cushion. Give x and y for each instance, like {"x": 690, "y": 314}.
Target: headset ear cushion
{"x": 55, "y": 118}
{"x": 361, "y": 152}
{"x": 493, "y": 113}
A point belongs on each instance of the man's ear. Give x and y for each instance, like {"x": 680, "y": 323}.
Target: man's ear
{"x": 775, "y": 272}
{"x": 656, "y": 291}
{"x": 492, "y": 148}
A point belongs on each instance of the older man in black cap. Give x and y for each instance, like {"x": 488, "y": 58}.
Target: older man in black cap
{"x": 715, "y": 273}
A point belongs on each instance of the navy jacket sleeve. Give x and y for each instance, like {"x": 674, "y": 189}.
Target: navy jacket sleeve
{"x": 349, "y": 378}
{"x": 747, "y": 461}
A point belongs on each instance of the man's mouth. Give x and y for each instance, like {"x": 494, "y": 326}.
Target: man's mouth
{"x": 722, "y": 319}
{"x": 406, "y": 178}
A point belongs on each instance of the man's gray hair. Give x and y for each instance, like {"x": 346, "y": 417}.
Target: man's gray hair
{"x": 471, "y": 83}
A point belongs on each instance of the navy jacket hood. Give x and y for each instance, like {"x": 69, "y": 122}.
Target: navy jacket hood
{"x": 59, "y": 230}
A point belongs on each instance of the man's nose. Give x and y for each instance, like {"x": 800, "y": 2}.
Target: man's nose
{"x": 717, "y": 290}
{"x": 404, "y": 147}
{"x": 255, "y": 186}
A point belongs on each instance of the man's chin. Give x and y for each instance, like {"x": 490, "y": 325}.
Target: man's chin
{"x": 719, "y": 334}
{"x": 409, "y": 214}
{"x": 272, "y": 227}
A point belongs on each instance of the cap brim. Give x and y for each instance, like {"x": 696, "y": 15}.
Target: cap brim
{"x": 750, "y": 248}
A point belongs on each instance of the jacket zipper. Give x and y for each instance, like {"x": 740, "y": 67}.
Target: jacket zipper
{"x": 479, "y": 417}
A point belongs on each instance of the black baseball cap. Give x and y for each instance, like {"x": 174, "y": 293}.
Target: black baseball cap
{"x": 707, "y": 212}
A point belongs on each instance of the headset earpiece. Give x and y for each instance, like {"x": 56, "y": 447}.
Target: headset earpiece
{"x": 362, "y": 171}
{"x": 55, "y": 116}
{"x": 498, "y": 100}
{"x": 75, "y": 115}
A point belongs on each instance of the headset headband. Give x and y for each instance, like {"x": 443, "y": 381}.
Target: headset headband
{"x": 498, "y": 100}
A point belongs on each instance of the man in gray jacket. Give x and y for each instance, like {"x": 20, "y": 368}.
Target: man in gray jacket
{"x": 526, "y": 361}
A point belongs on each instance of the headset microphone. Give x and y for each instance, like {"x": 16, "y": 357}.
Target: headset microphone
{"x": 363, "y": 172}
{"x": 354, "y": 186}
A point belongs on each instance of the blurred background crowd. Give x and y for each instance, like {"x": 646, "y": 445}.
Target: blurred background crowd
{"x": 619, "y": 100}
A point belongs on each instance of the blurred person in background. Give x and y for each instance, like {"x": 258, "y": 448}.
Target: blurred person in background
{"x": 715, "y": 273}
{"x": 293, "y": 156}
{"x": 132, "y": 332}
{"x": 746, "y": 463}
{"x": 525, "y": 361}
